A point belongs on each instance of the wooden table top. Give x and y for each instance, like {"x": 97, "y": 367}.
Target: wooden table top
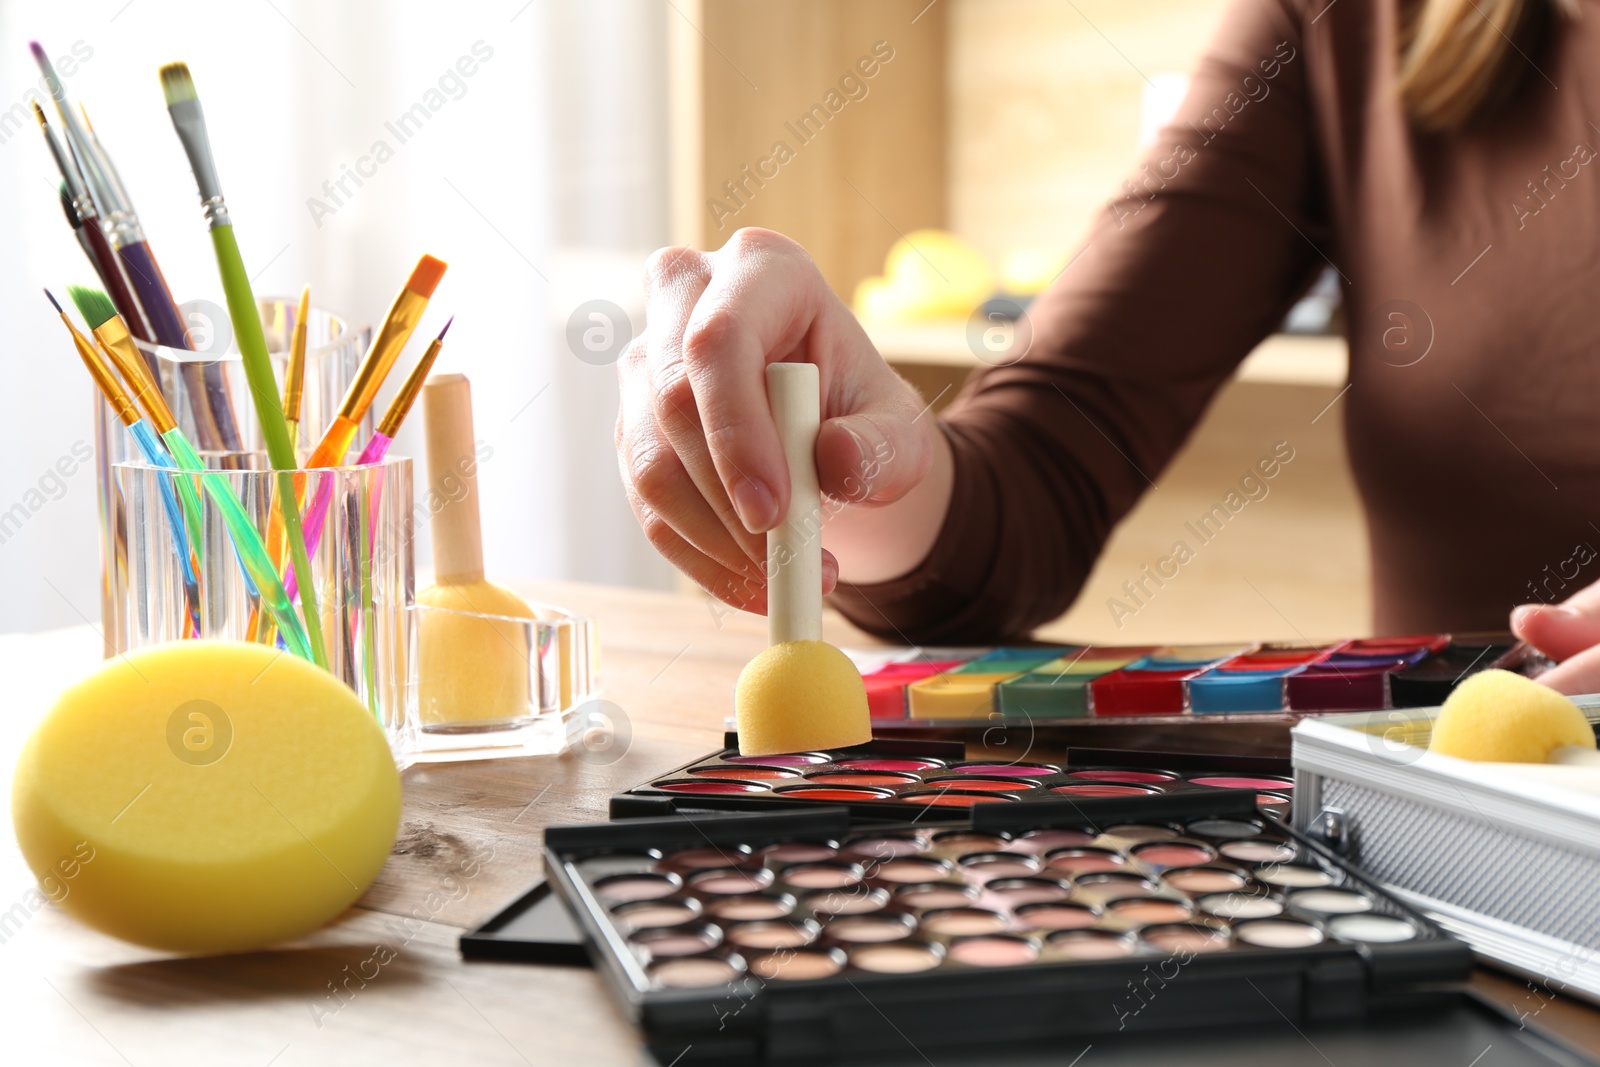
{"x": 469, "y": 844}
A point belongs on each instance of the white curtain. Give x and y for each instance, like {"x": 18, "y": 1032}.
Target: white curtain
{"x": 538, "y": 174}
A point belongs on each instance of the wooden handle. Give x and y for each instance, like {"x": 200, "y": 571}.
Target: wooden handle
{"x": 453, "y": 476}
{"x": 794, "y": 546}
{"x": 1575, "y": 756}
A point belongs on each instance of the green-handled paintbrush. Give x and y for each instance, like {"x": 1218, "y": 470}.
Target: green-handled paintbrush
{"x": 184, "y": 106}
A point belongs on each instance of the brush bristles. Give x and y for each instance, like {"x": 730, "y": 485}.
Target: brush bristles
{"x": 425, "y": 277}
{"x": 53, "y": 302}
{"x": 177, "y": 84}
{"x": 95, "y": 306}
{"x": 38, "y": 113}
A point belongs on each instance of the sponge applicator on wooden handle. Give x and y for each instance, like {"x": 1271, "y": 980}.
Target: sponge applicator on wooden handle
{"x": 801, "y": 693}
{"x": 473, "y": 657}
{"x": 1497, "y": 716}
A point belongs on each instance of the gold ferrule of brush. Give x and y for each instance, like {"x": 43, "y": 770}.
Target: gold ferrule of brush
{"x": 294, "y": 375}
{"x": 401, "y": 405}
{"x": 119, "y": 345}
{"x": 397, "y": 327}
{"x": 103, "y": 377}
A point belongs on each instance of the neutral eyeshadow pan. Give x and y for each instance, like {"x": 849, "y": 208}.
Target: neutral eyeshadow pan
{"x": 1259, "y": 851}
{"x": 1197, "y": 880}
{"x": 902, "y": 958}
{"x": 1240, "y": 906}
{"x": 1056, "y": 917}
{"x": 693, "y": 972}
{"x": 1278, "y": 933}
{"x": 993, "y": 951}
{"x": 963, "y": 922}
{"x": 773, "y": 934}
{"x": 737, "y": 909}
{"x": 791, "y": 966}
{"x": 1372, "y": 929}
{"x": 859, "y": 929}
{"x": 1293, "y": 875}
{"x": 1330, "y": 901}
{"x": 856, "y": 900}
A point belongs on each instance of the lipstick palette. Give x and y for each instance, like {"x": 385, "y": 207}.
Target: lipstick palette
{"x": 755, "y": 937}
{"x": 905, "y": 779}
{"x": 939, "y": 688}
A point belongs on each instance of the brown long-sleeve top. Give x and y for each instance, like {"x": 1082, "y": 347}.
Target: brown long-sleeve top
{"x": 1470, "y": 267}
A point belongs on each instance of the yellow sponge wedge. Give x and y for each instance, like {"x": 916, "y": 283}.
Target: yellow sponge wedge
{"x": 1499, "y": 716}
{"x": 228, "y": 796}
{"x": 800, "y": 695}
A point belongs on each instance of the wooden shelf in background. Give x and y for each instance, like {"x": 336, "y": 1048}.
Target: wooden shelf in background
{"x": 1282, "y": 359}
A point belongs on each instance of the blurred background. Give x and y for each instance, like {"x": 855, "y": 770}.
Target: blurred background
{"x": 931, "y": 156}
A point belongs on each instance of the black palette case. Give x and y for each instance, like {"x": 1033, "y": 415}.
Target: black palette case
{"x": 711, "y": 987}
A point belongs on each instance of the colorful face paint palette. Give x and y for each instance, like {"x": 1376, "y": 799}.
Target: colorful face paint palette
{"x": 936, "y": 688}
{"x": 895, "y": 779}
{"x": 804, "y": 935}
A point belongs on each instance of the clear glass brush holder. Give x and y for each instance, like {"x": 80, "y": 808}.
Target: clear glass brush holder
{"x": 362, "y": 573}
{"x": 482, "y": 686}
{"x": 196, "y": 385}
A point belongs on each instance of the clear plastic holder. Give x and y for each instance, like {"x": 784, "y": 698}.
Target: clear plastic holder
{"x": 487, "y": 686}
{"x": 334, "y": 347}
{"x": 362, "y": 570}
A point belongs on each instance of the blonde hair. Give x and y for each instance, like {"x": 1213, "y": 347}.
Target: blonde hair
{"x": 1461, "y": 59}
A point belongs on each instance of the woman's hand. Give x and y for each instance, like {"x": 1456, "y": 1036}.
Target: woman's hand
{"x": 1569, "y": 632}
{"x": 699, "y": 452}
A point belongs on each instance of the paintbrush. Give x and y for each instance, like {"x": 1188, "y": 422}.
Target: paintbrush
{"x": 183, "y": 104}
{"x": 377, "y": 447}
{"x": 125, "y": 410}
{"x": 398, "y": 324}
{"x": 85, "y": 221}
{"x": 208, "y": 392}
{"x": 115, "y": 341}
{"x": 294, "y": 375}
{"x": 392, "y": 336}
{"x": 78, "y": 231}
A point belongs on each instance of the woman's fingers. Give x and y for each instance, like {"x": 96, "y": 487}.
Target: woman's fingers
{"x": 675, "y": 279}
{"x": 1557, "y": 630}
{"x": 760, "y": 304}
{"x": 1577, "y": 674}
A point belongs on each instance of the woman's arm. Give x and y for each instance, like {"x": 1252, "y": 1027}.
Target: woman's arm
{"x": 1208, "y": 245}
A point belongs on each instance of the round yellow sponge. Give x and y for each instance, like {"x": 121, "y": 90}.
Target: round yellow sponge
{"x": 1504, "y": 717}
{"x": 226, "y": 796}
{"x": 800, "y": 695}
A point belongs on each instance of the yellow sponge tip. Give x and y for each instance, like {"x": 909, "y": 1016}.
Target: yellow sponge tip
{"x": 800, "y": 695}
{"x": 1503, "y": 717}
{"x": 206, "y": 796}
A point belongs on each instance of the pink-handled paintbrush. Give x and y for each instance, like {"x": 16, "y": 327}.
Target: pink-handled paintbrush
{"x": 376, "y": 448}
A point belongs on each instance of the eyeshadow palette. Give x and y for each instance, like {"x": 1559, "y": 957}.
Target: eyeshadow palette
{"x": 761, "y": 936}
{"x": 906, "y": 778}
{"x": 929, "y": 687}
